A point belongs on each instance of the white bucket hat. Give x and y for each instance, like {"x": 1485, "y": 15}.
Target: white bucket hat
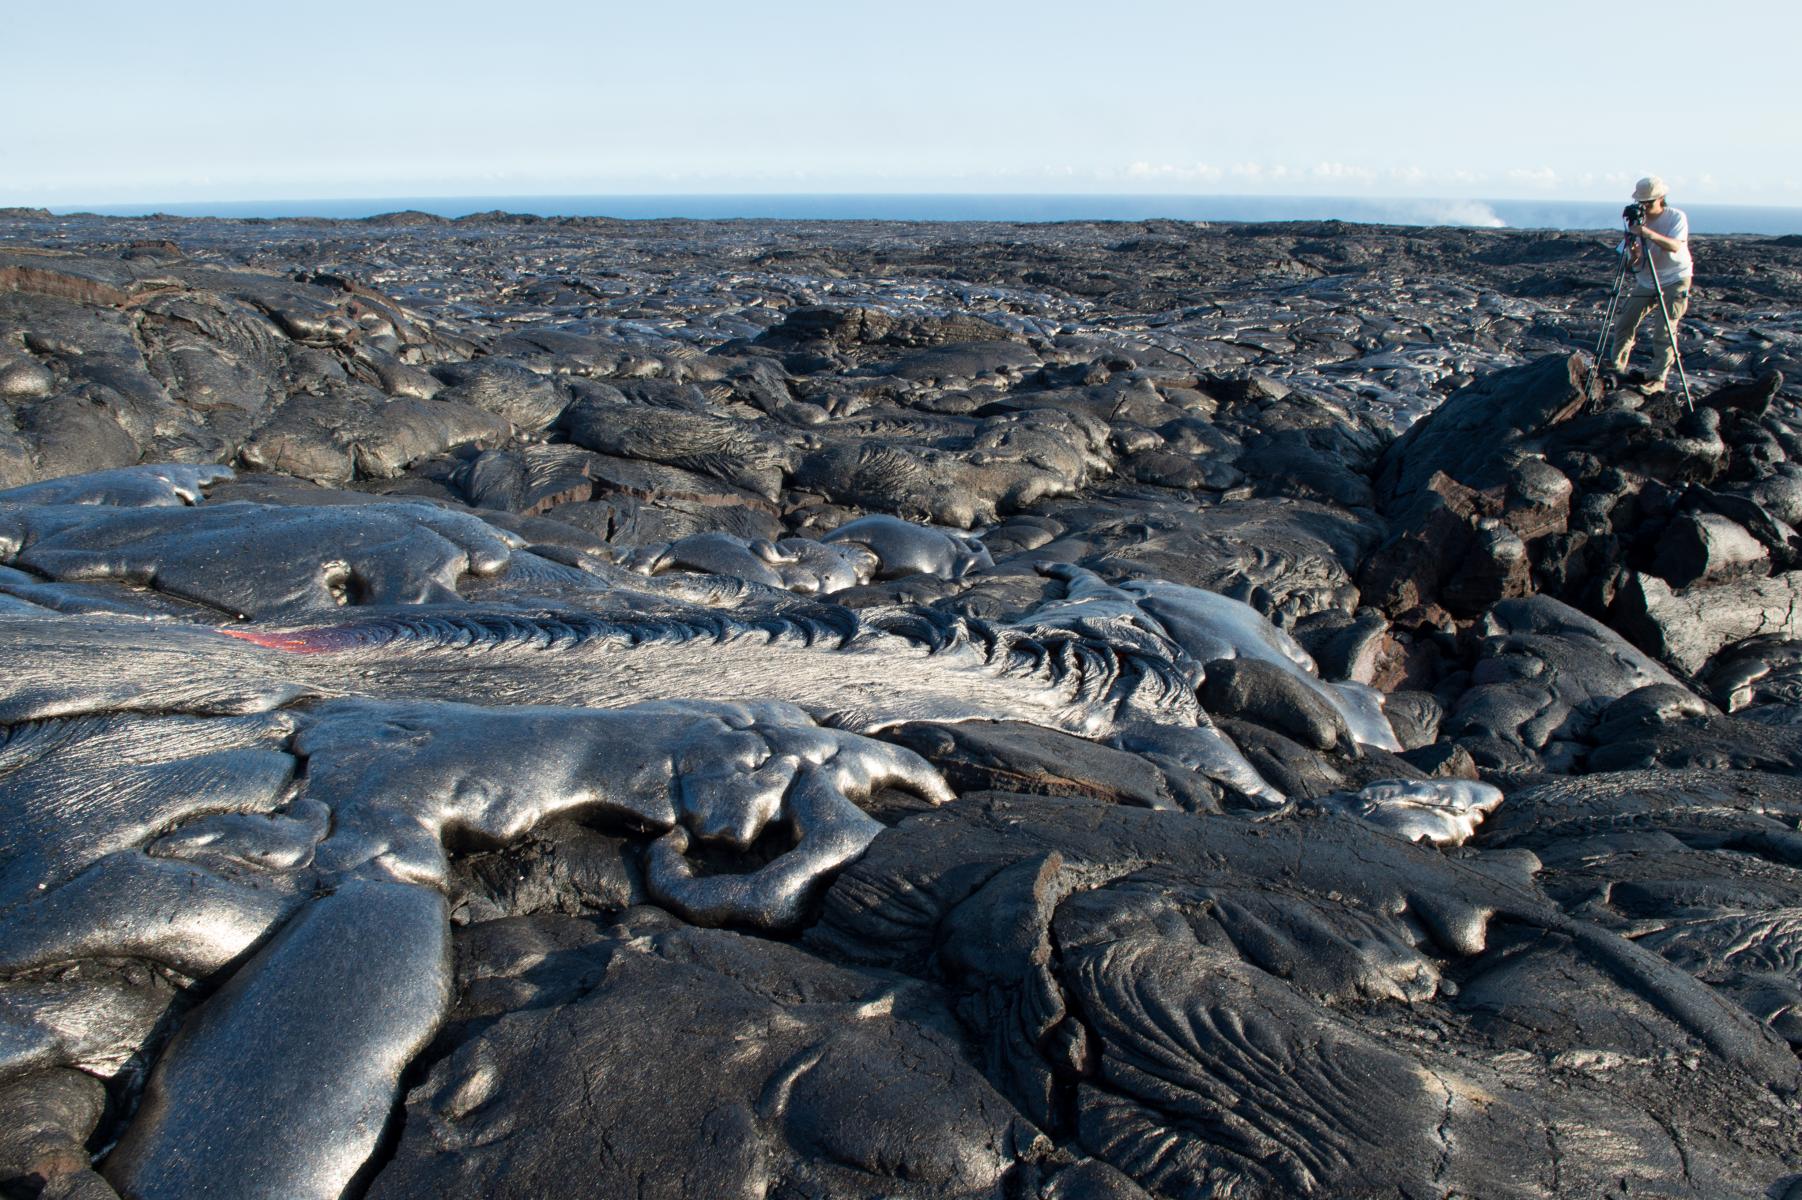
{"x": 1649, "y": 188}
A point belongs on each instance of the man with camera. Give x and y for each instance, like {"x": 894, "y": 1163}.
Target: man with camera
{"x": 1657, "y": 248}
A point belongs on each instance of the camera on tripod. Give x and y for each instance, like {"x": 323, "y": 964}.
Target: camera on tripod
{"x": 1635, "y": 213}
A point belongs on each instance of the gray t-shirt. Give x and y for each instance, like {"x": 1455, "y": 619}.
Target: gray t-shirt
{"x": 1673, "y": 267}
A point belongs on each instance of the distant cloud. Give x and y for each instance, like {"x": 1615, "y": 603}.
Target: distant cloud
{"x": 1324, "y": 177}
{"x": 1611, "y": 182}
{"x": 1339, "y": 170}
{"x": 1539, "y": 177}
{"x": 1447, "y": 195}
{"x": 1171, "y": 171}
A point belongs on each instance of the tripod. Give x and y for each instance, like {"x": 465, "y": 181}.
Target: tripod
{"x": 1614, "y": 304}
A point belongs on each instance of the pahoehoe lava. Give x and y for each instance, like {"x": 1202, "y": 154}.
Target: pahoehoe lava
{"x": 512, "y": 707}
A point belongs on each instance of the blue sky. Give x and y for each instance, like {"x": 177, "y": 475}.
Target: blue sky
{"x": 184, "y": 100}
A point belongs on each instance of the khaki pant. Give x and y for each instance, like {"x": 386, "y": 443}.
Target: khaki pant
{"x": 1634, "y": 307}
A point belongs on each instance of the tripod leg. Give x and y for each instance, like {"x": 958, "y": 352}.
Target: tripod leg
{"x": 1608, "y": 327}
{"x": 1682, "y": 375}
{"x": 1607, "y": 334}
{"x": 1614, "y": 303}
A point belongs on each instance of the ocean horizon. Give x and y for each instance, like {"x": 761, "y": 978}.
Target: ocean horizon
{"x": 1705, "y": 218}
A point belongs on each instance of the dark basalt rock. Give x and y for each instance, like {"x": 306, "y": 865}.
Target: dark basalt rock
{"x": 1462, "y": 508}
{"x": 382, "y": 554}
{"x": 1688, "y": 628}
{"x": 336, "y": 437}
{"x": 850, "y": 1086}
{"x": 1698, "y": 865}
{"x": 856, "y": 327}
{"x": 1261, "y": 692}
{"x": 1756, "y": 672}
{"x": 1546, "y": 674}
{"x": 1503, "y": 492}
{"x": 1006, "y": 756}
{"x": 1196, "y": 980}
{"x": 985, "y": 470}
{"x": 522, "y": 397}
{"x": 712, "y": 709}
{"x": 731, "y": 451}
{"x": 1722, "y": 742}
{"x": 1707, "y": 548}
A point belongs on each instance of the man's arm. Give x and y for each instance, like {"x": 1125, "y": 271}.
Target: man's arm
{"x": 1673, "y": 242}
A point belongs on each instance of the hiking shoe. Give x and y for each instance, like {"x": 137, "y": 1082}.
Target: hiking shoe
{"x": 1654, "y": 387}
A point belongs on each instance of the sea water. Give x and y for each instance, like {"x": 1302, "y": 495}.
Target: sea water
{"x": 1496, "y": 214}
